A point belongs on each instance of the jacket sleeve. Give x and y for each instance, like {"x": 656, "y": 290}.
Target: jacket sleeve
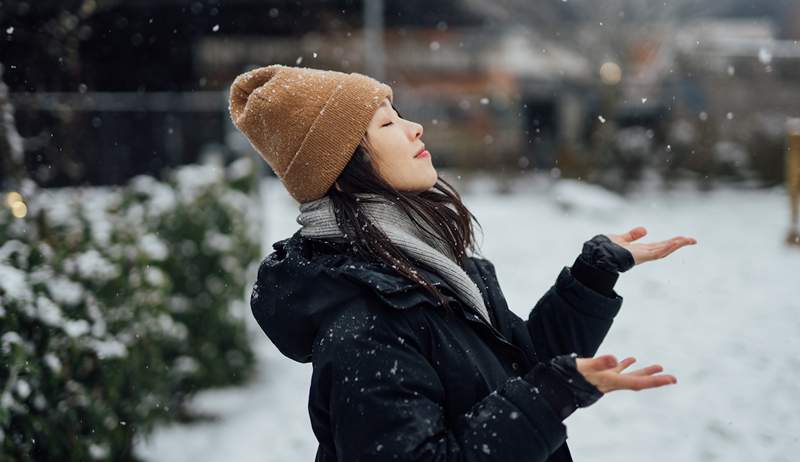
{"x": 386, "y": 400}
{"x": 571, "y": 317}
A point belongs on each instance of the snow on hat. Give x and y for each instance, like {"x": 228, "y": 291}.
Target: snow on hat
{"x": 305, "y": 123}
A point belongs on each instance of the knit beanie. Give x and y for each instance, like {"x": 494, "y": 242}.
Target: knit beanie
{"x": 305, "y": 123}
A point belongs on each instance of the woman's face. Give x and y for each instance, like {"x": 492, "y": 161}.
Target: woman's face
{"x": 392, "y": 143}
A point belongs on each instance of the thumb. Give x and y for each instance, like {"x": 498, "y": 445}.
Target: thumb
{"x": 597, "y": 364}
{"x": 635, "y": 233}
{"x": 602, "y": 363}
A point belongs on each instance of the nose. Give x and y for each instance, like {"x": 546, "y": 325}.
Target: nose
{"x": 417, "y": 130}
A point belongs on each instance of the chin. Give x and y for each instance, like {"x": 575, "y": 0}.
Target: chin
{"x": 422, "y": 186}
{"x": 434, "y": 178}
{"x": 428, "y": 184}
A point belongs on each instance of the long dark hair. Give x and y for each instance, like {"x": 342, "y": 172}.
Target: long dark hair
{"x": 440, "y": 207}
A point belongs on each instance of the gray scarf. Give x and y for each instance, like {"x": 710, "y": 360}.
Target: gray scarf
{"x": 318, "y": 221}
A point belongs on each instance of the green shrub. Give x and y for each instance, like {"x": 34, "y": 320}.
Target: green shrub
{"x": 117, "y": 304}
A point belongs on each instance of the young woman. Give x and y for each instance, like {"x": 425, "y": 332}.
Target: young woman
{"x": 416, "y": 355}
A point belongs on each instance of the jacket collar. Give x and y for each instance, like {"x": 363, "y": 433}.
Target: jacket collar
{"x": 401, "y": 293}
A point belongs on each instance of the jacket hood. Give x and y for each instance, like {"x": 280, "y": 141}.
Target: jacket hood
{"x": 304, "y": 281}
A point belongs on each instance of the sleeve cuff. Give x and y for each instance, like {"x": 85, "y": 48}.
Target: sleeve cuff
{"x": 585, "y": 300}
{"x": 599, "y": 280}
{"x": 552, "y": 388}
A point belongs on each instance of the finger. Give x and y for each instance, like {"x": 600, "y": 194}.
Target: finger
{"x": 624, "y": 364}
{"x": 682, "y": 241}
{"x": 634, "y": 234}
{"x": 658, "y": 250}
{"x": 673, "y": 245}
{"x": 661, "y": 244}
{"x": 639, "y": 382}
{"x": 649, "y": 370}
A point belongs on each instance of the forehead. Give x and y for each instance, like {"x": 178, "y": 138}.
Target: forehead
{"x": 386, "y": 104}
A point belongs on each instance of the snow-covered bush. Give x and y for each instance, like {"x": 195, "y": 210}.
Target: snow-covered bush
{"x": 116, "y": 304}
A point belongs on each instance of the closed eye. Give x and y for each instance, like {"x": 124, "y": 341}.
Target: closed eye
{"x": 398, "y": 115}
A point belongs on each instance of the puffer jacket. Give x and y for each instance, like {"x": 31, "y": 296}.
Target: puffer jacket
{"x": 396, "y": 377}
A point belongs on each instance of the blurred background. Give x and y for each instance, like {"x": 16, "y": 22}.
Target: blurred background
{"x": 134, "y": 214}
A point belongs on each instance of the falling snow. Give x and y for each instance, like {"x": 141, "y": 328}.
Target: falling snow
{"x": 673, "y": 311}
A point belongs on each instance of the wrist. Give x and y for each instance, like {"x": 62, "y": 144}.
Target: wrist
{"x": 597, "y": 279}
{"x": 553, "y": 389}
{"x": 585, "y": 392}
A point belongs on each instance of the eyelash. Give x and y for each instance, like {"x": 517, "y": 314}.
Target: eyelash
{"x": 389, "y": 123}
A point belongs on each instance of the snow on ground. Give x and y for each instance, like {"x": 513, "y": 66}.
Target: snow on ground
{"x": 722, "y": 316}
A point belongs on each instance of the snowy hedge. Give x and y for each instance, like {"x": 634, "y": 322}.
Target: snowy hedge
{"x": 116, "y": 304}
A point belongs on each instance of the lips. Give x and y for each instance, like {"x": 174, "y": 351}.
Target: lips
{"x": 421, "y": 151}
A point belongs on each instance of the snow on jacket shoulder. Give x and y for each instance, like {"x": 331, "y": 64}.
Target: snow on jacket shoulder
{"x": 396, "y": 377}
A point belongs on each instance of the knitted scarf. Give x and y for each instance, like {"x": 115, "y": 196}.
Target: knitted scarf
{"x": 318, "y": 221}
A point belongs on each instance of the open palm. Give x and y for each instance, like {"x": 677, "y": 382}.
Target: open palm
{"x": 651, "y": 251}
{"x": 605, "y": 373}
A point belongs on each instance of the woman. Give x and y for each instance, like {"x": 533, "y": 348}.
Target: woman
{"x": 415, "y": 353}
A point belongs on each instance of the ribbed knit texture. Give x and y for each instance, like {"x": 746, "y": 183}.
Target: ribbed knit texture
{"x": 305, "y": 123}
{"x": 318, "y": 221}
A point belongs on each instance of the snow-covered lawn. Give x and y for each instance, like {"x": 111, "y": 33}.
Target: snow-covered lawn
{"x": 722, "y": 316}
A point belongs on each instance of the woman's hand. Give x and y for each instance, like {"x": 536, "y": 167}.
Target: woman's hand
{"x": 605, "y": 373}
{"x": 648, "y": 252}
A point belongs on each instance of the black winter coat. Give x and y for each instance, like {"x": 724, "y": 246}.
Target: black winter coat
{"x": 397, "y": 378}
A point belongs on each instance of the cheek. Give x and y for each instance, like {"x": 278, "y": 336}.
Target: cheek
{"x": 392, "y": 168}
{"x": 396, "y": 169}
{"x": 389, "y": 149}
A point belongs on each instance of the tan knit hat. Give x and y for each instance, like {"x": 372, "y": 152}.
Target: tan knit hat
{"x": 306, "y": 123}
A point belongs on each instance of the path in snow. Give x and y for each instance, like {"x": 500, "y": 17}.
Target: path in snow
{"x": 722, "y": 316}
